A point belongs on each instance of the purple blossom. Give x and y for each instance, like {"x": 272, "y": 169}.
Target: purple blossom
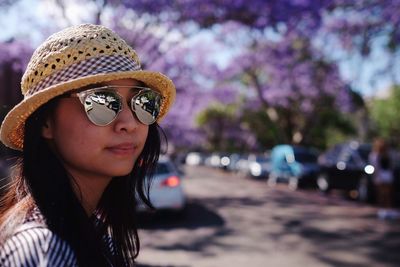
{"x": 255, "y": 13}
{"x": 16, "y": 53}
{"x": 275, "y": 64}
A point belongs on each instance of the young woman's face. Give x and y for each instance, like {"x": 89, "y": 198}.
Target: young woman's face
{"x": 96, "y": 151}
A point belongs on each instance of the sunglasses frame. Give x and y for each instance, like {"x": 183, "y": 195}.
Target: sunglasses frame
{"x": 111, "y": 88}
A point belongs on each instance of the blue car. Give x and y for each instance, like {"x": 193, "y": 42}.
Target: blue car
{"x": 295, "y": 165}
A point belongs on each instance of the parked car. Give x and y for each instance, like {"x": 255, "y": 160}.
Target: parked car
{"x": 345, "y": 167}
{"x": 213, "y": 160}
{"x": 195, "y": 158}
{"x": 166, "y": 191}
{"x": 255, "y": 166}
{"x": 240, "y": 165}
{"x": 217, "y": 160}
{"x": 232, "y": 161}
{"x": 295, "y": 165}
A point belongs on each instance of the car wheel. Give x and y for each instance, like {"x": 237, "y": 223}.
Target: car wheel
{"x": 363, "y": 189}
{"x": 323, "y": 183}
{"x": 293, "y": 183}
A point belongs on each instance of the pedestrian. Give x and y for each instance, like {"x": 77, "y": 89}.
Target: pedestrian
{"x": 88, "y": 131}
{"x": 383, "y": 178}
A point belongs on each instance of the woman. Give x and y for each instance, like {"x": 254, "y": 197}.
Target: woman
{"x": 383, "y": 177}
{"x": 88, "y": 132}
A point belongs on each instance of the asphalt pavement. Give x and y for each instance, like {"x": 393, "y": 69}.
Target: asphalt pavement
{"x": 235, "y": 221}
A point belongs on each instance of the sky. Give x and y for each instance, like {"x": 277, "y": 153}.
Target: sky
{"x": 35, "y": 16}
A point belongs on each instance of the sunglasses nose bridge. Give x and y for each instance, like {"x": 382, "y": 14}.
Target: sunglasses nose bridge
{"x": 127, "y": 111}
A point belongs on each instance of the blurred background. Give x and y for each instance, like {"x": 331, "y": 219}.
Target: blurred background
{"x": 264, "y": 72}
{"x": 311, "y": 82}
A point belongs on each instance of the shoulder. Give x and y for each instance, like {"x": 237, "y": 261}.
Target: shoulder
{"x": 36, "y": 245}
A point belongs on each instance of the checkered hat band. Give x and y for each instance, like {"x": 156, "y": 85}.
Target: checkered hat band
{"x": 92, "y": 66}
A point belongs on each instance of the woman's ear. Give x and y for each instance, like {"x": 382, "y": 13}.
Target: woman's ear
{"x": 47, "y": 129}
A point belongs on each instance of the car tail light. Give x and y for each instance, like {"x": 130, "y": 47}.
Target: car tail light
{"x": 171, "y": 181}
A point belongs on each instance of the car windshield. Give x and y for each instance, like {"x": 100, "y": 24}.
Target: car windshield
{"x": 262, "y": 159}
{"x": 305, "y": 157}
{"x": 162, "y": 168}
{"x": 364, "y": 151}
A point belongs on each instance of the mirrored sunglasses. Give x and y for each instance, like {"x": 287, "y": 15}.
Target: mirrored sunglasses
{"x": 103, "y": 104}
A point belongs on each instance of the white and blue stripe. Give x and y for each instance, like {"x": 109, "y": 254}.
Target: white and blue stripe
{"x": 34, "y": 244}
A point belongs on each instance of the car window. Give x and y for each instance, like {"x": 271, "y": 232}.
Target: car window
{"x": 331, "y": 156}
{"x": 304, "y": 157}
{"x": 364, "y": 152}
{"x": 262, "y": 159}
{"x": 334, "y": 152}
{"x": 352, "y": 160}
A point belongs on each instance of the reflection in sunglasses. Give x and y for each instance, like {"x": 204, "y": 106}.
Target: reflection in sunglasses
{"x": 149, "y": 103}
{"x": 103, "y": 105}
{"x": 101, "y": 113}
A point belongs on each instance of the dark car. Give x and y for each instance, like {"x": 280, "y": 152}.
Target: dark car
{"x": 345, "y": 167}
{"x": 254, "y": 166}
{"x": 295, "y": 165}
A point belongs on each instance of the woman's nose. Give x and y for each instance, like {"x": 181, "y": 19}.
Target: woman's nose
{"x": 126, "y": 120}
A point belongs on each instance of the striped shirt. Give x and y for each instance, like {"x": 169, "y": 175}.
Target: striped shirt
{"x": 34, "y": 244}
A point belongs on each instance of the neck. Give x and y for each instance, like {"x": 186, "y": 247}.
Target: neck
{"x": 89, "y": 190}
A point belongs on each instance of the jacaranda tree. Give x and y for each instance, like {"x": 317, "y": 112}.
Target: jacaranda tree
{"x": 278, "y": 59}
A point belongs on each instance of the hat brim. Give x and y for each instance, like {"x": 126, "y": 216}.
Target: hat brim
{"x": 12, "y": 128}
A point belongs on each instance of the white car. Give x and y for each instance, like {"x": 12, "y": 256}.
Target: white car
{"x": 166, "y": 191}
{"x": 194, "y": 158}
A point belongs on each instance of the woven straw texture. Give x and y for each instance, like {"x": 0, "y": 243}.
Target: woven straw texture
{"x": 73, "y": 58}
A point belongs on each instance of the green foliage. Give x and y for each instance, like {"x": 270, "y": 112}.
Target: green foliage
{"x": 264, "y": 129}
{"x": 216, "y": 114}
{"x": 333, "y": 127}
{"x": 385, "y": 114}
{"x": 218, "y": 122}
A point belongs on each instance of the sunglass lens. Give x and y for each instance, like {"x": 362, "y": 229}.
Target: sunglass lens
{"x": 147, "y": 106}
{"x": 102, "y": 107}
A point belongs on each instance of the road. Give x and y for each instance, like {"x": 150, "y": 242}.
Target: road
{"x": 235, "y": 221}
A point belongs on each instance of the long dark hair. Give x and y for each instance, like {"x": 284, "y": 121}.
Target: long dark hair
{"x": 40, "y": 180}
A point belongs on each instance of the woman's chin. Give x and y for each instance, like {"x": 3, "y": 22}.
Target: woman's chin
{"x": 121, "y": 172}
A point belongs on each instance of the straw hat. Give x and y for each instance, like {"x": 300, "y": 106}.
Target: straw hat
{"x": 73, "y": 58}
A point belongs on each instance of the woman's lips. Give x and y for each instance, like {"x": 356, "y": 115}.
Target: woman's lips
{"x": 124, "y": 149}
